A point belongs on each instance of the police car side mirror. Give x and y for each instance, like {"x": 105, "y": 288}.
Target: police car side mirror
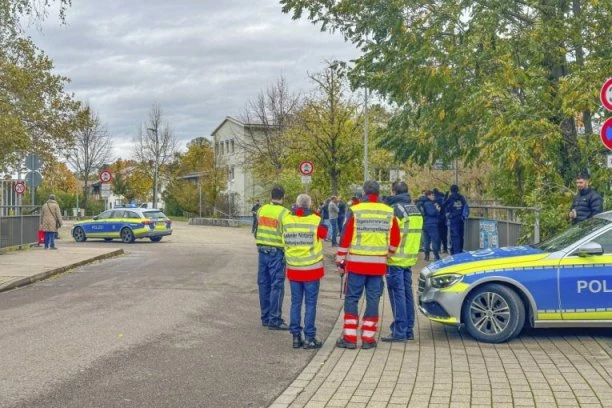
{"x": 591, "y": 248}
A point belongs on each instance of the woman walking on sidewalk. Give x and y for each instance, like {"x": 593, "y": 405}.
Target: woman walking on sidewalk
{"x": 50, "y": 221}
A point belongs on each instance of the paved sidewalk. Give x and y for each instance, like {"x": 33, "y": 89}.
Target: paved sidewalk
{"x": 22, "y": 267}
{"x": 443, "y": 367}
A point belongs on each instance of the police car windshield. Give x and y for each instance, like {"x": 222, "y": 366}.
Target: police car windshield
{"x": 573, "y": 234}
{"x": 154, "y": 214}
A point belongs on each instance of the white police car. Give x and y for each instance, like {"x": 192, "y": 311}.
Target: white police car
{"x": 125, "y": 223}
{"x": 563, "y": 282}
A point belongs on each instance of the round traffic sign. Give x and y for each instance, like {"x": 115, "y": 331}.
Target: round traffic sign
{"x": 306, "y": 168}
{"x": 606, "y": 94}
{"x": 606, "y": 133}
{"x": 106, "y": 176}
{"x": 20, "y": 187}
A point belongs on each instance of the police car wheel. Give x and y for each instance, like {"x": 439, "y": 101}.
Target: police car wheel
{"x": 155, "y": 239}
{"x": 79, "y": 235}
{"x": 493, "y": 313}
{"x": 127, "y": 235}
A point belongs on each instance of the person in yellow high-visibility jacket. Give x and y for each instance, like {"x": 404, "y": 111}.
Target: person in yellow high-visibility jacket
{"x": 271, "y": 268}
{"x": 399, "y": 272}
{"x": 304, "y": 233}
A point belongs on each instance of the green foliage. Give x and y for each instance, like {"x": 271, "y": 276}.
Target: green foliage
{"x": 511, "y": 84}
{"x": 36, "y": 115}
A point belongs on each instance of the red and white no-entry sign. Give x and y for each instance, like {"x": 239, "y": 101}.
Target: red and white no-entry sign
{"x": 106, "y": 176}
{"x": 606, "y": 94}
{"x": 20, "y": 187}
{"x": 306, "y": 168}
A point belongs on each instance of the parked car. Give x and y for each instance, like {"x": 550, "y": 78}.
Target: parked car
{"x": 494, "y": 293}
{"x": 126, "y": 224}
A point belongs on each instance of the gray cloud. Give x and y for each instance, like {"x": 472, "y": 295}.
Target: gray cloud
{"x": 201, "y": 60}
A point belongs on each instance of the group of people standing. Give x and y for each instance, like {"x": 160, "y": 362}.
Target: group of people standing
{"x": 381, "y": 237}
{"x": 443, "y": 213}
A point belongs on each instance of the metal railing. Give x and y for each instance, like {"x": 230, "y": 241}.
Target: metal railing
{"x": 20, "y": 228}
{"x": 510, "y": 222}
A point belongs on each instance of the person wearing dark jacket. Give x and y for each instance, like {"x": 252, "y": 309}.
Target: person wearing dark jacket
{"x": 442, "y": 227}
{"x": 587, "y": 202}
{"x": 457, "y": 212}
{"x": 431, "y": 236}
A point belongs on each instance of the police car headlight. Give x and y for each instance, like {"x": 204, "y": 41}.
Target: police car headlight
{"x": 445, "y": 281}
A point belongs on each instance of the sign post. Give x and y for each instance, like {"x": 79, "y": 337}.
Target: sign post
{"x": 20, "y": 187}
{"x": 306, "y": 168}
{"x": 105, "y": 189}
{"x": 606, "y": 133}
{"x": 606, "y": 94}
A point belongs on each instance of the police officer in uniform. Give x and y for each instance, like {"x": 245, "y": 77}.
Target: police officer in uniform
{"x": 457, "y": 212}
{"x": 271, "y": 271}
{"x": 303, "y": 234}
{"x": 399, "y": 272}
{"x": 370, "y": 234}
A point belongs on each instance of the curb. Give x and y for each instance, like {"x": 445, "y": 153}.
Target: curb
{"x": 46, "y": 274}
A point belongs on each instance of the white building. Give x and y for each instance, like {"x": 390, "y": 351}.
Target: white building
{"x": 227, "y": 144}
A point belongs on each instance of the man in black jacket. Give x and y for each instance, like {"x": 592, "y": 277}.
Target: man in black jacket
{"x": 587, "y": 202}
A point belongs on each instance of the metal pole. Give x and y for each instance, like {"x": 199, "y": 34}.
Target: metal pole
{"x": 155, "y": 183}
{"x": 456, "y": 171}
{"x": 200, "y": 191}
{"x": 536, "y": 228}
{"x": 365, "y": 138}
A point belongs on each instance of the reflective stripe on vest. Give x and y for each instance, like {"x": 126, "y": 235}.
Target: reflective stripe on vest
{"x": 373, "y": 223}
{"x": 411, "y": 229}
{"x": 269, "y": 225}
{"x": 302, "y": 247}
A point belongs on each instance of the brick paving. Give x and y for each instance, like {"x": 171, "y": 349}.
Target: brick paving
{"x": 444, "y": 367}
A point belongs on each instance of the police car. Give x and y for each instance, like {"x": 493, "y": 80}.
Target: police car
{"x": 126, "y": 224}
{"x": 494, "y": 293}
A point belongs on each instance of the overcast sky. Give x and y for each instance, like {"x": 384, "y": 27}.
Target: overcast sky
{"x": 201, "y": 60}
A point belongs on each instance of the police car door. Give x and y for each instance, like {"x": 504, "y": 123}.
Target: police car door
{"x": 585, "y": 283}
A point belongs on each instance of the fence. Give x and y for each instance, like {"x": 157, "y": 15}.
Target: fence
{"x": 509, "y": 224}
{"x": 21, "y": 229}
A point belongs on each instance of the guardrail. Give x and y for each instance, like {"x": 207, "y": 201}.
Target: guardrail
{"x": 18, "y": 230}
{"x": 509, "y": 224}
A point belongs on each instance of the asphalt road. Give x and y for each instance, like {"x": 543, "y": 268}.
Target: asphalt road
{"x": 170, "y": 324}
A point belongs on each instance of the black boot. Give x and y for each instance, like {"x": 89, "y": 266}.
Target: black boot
{"x": 297, "y": 341}
{"x": 312, "y": 343}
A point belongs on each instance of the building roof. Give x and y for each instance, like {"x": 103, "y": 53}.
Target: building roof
{"x": 238, "y": 123}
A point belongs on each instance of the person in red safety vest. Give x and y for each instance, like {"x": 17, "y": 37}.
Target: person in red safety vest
{"x": 303, "y": 235}
{"x": 371, "y": 233}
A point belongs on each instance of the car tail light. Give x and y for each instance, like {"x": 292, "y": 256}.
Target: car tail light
{"x": 147, "y": 222}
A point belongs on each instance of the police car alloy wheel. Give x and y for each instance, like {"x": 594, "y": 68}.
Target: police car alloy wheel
{"x": 127, "y": 235}
{"x": 493, "y": 313}
{"x": 79, "y": 235}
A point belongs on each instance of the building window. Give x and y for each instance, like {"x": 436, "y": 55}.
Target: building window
{"x": 217, "y": 148}
{"x": 221, "y": 148}
{"x": 227, "y": 146}
{"x": 232, "y": 142}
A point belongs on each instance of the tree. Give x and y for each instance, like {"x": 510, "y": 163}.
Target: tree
{"x": 92, "y": 148}
{"x": 36, "y": 115}
{"x": 329, "y": 128}
{"x": 196, "y": 175}
{"x": 267, "y": 119}
{"x": 512, "y": 83}
{"x": 155, "y": 144}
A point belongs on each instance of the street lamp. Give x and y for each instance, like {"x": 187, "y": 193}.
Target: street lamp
{"x": 155, "y": 164}
{"x": 365, "y": 137}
